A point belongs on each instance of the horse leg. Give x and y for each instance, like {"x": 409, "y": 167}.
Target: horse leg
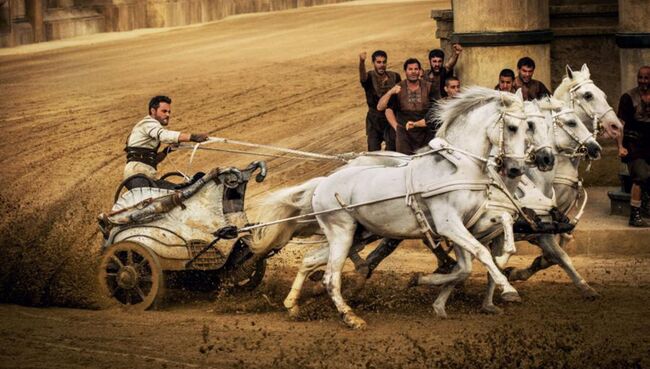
{"x": 455, "y": 231}
{"x": 312, "y": 260}
{"x": 505, "y": 242}
{"x": 381, "y": 252}
{"x": 340, "y": 241}
{"x": 445, "y": 262}
{"x": 501, "y": 256}
{"x": 557, "y": 255}
{"x": 462, "y": 270}
{"x": 539, "y": 263}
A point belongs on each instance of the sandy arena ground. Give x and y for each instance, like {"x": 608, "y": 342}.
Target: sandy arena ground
{"x": 288, "y": 79}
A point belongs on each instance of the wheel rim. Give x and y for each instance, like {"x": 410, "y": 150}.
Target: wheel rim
{"x": 131, "y": 275}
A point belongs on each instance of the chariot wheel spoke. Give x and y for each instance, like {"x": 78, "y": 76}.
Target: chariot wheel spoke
{"x": 140, "y": 293}
{"x": 117, "y": 261}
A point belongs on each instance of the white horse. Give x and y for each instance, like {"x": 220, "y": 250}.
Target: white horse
{"x": 491, "y": 223}
{"x": 536, "y": 191}
{"x": 451, "y": 185}
{"x": 590, "y": 104}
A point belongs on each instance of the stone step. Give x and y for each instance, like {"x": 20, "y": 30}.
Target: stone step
{"x": 599, "y": 232}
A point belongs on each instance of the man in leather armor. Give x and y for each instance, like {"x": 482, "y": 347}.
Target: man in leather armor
{"x": 406, "y": 105}
{"x": 634, "y": 111}
{"x": 142, "y": 155}
{"x": 375, "y": 84}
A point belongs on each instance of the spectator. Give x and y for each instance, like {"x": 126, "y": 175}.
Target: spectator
{"x": 532, "y": 89}
{"x": 439, "y": 71}
{"x": 634, "y": 111}
{"x": 506, "y": 80}
{"x": 406, "y": 105}
{"x": 376, "y": 83}
{"x": 452, "y": 86}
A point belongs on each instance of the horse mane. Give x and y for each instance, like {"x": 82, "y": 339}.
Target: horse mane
{"x": 549, "y": 103}
{"x": 568, "y": 83}
{"x": 469, "y": 99}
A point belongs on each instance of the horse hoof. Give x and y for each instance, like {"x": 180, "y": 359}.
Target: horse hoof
{"x": 354, "y": 321}
{"x": 364, "y": 270}
{"x": 440, "y": 312}
{"x": 511, "y": 296}
{"x": 590, "y": 294}
{"x": 294, "y": 311}
{"x": 491, "y": 309}
{"x": 413, "y": 281}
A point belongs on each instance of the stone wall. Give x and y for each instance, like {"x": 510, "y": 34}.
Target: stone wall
{"x": 584, "y": 31}
{"x": 27, "y": 21}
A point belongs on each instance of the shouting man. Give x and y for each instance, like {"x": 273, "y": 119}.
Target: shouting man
{"x": 406, "y": 105}
{"x": 440, "y": 71}
{"x": 376, "y": 83}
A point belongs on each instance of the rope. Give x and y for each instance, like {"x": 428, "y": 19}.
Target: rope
{"x": 341, "y": 157}
{"x": 191, "y": 147}
{"x": 300, "y": 242}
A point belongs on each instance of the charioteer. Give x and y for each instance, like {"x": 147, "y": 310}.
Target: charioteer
{"x": 142, "y": 155}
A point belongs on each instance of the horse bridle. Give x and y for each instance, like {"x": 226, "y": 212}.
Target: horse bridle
{"x": 502, "y": 154}
{"x": 596, "y": 118}
{"x": 581, "y": 149}
{"x": 532, "y": 152}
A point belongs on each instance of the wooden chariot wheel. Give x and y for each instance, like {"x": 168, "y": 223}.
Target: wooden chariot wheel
{"x": 130, "y": 274}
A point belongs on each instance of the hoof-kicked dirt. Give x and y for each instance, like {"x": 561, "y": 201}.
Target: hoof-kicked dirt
{"x": 288, "y": 79}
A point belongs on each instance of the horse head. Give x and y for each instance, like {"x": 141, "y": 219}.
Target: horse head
{"x": 483, "y": 122}
{"x": 589, "y": 101}
{"x": 540, "y": 134}
{"x": 570, "y": 134}
{"x": 509, "y": 134}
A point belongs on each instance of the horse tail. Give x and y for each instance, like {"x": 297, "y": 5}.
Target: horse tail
{"x": 284, "y": 203}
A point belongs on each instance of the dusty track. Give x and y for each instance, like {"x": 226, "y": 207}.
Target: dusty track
{"x": 552, "y": 328}
{"x": 288, "y": 79}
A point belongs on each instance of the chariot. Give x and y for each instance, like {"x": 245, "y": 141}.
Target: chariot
{"x": 186, "y": 237}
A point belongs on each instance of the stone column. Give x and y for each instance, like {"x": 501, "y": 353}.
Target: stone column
{"x": 496, "y": 33}
{"x": 34, "y": 10}
{"x": 633, "y": 39}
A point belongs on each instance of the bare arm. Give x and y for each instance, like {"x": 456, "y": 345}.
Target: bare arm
{"x": 383, "y": 102}
{"x": 451, "y": 63}
{"x": 362, "y": 67}
{"x": 622, "y": 151}
{"x": 390, "y": 117}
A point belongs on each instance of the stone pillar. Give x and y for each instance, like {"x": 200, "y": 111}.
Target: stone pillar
{"x": 34, "y": 10}
{"x": 496, "y": 33}
{"x": 633, "y": 39}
